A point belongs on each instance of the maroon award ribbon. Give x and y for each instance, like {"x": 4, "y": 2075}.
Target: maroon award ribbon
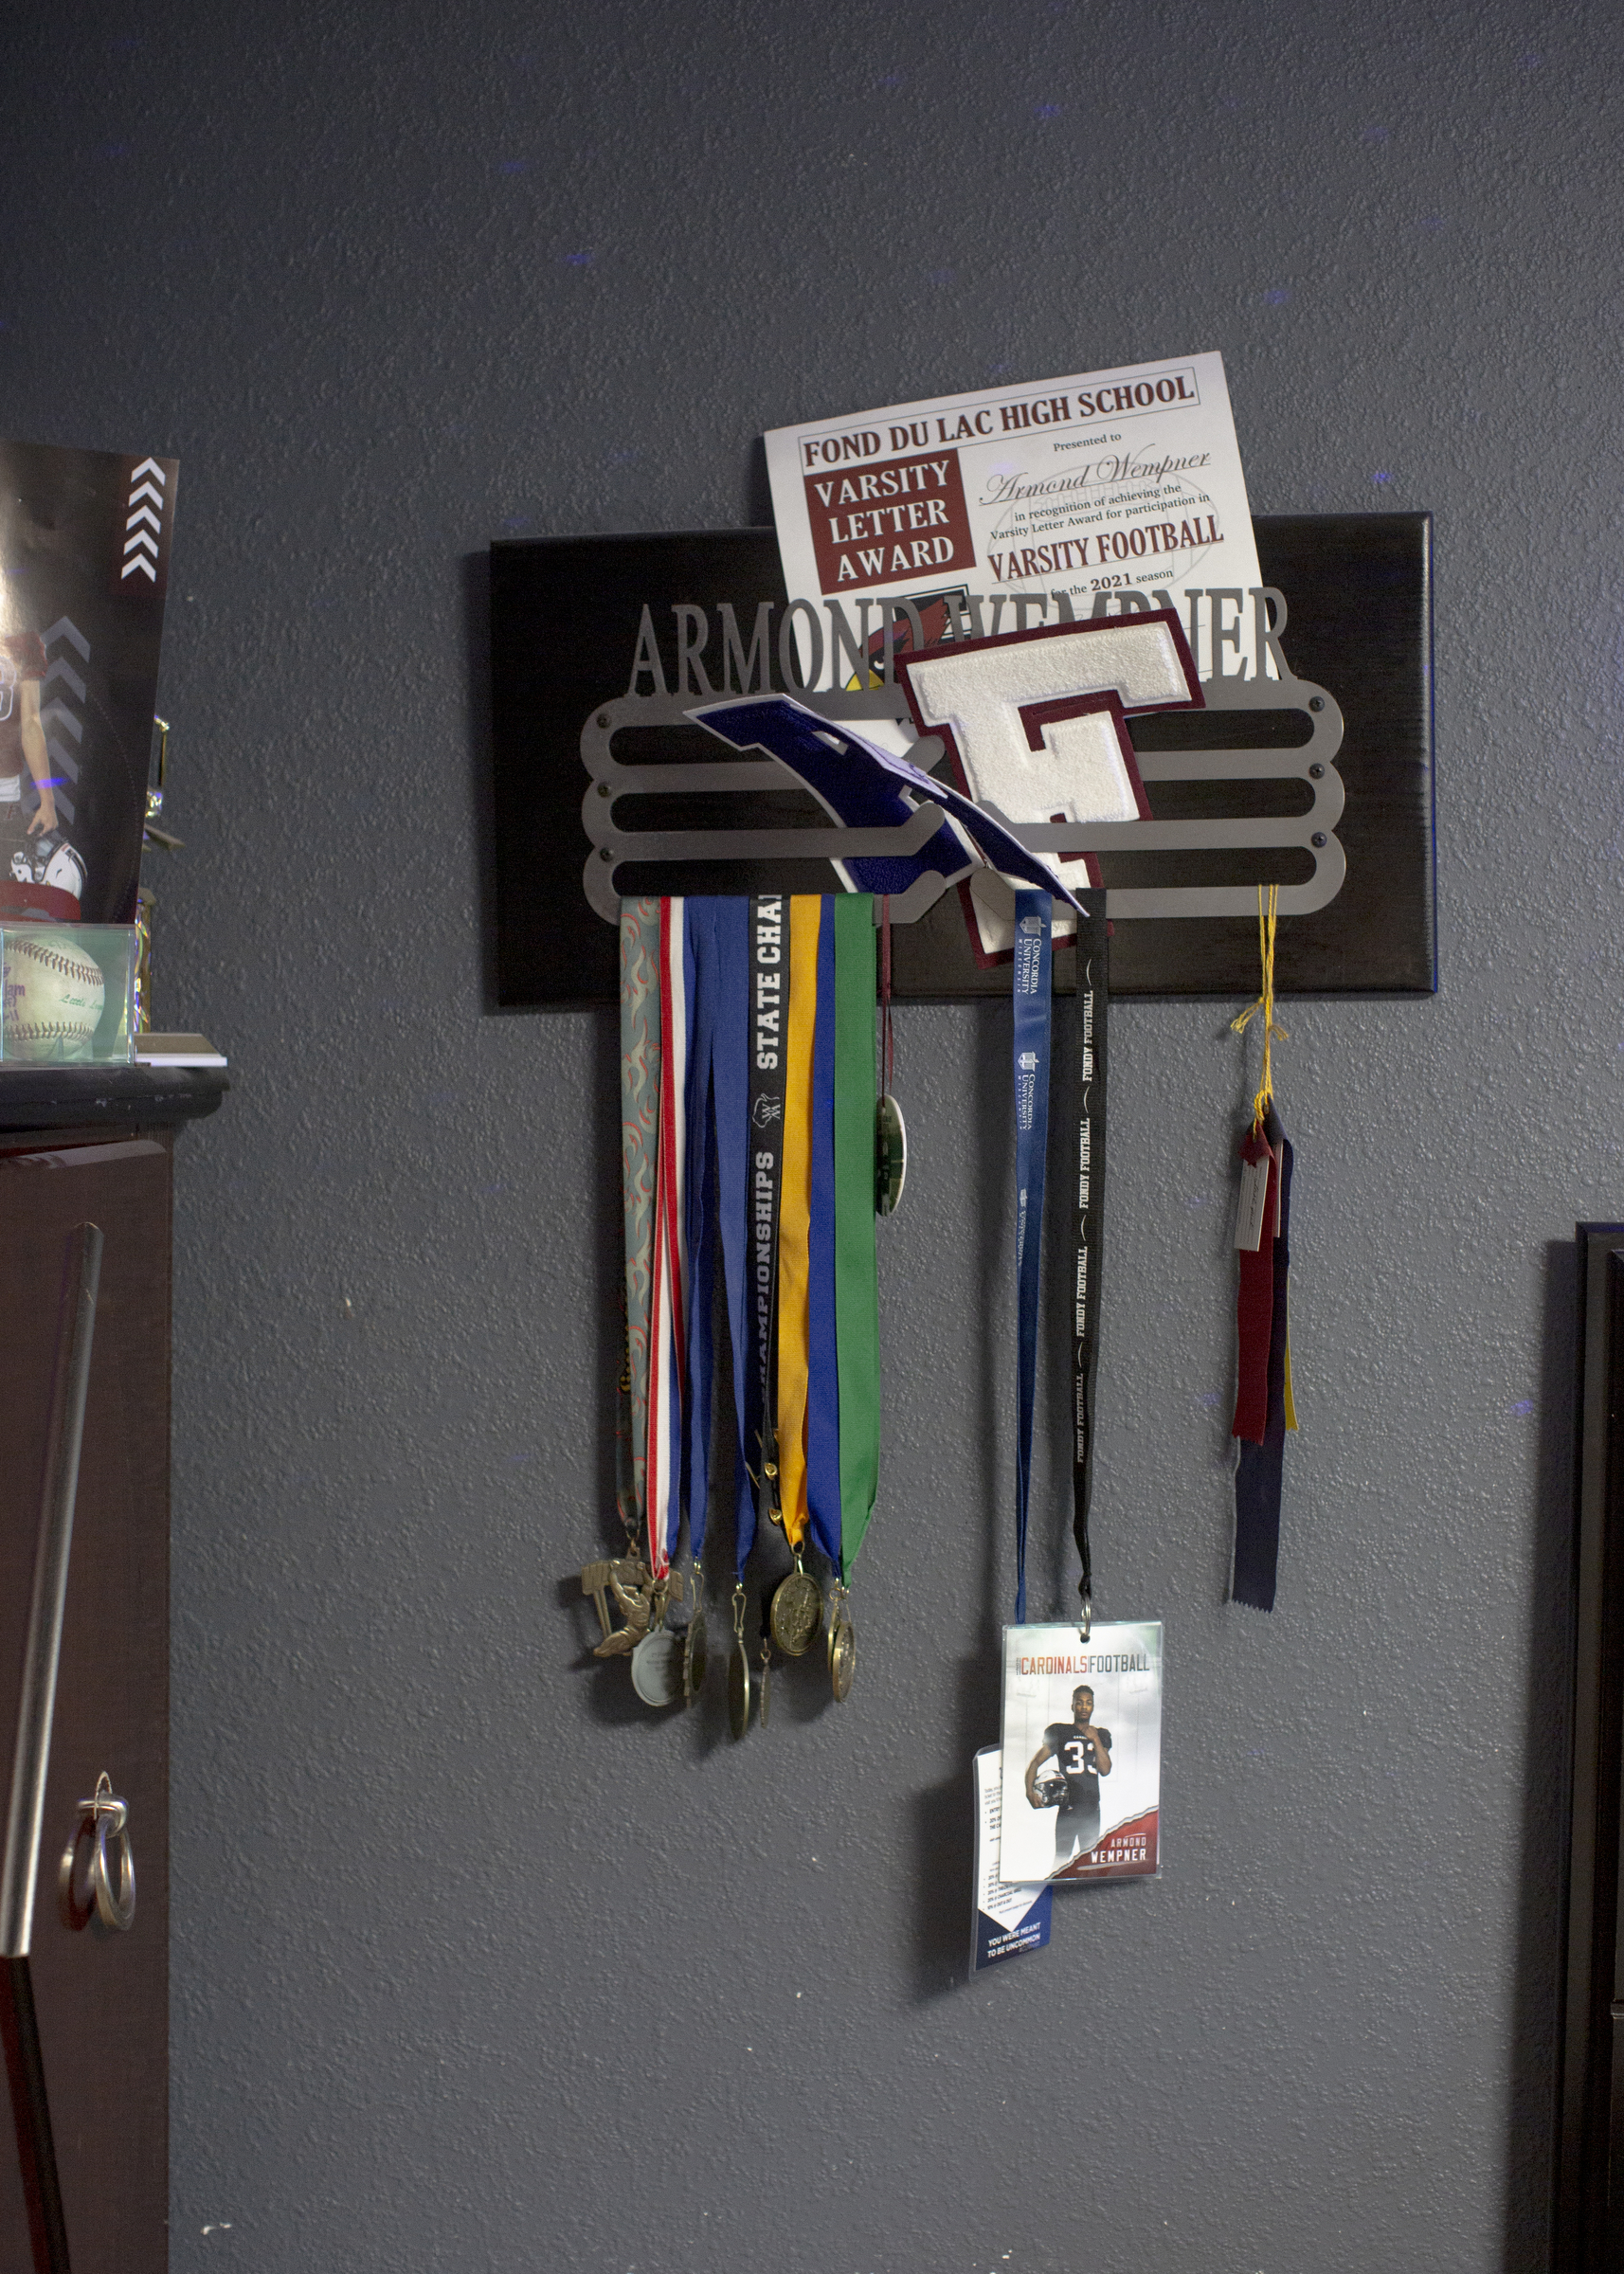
{"x": 1263, "y": 1409}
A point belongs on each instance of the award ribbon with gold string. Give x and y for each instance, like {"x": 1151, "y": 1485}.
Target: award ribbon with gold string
{"x": 1264, "y": 1409}
{"x": 797, "y": 1605}
{"x": 856, "y": 1265}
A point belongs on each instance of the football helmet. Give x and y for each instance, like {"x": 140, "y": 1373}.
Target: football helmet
{"x": 49, "y": 859}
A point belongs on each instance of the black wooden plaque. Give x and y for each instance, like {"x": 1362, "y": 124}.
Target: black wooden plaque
{"x": 565, "y": 616}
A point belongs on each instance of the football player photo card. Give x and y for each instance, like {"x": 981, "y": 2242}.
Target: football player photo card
{"x": 1081, "y": 1752}
{"x": 84, "y": 553}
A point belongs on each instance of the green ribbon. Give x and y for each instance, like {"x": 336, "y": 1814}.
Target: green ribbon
{"x": 857, "y": 1276}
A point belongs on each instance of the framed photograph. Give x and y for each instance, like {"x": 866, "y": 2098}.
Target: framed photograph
{"x": 85, "y": 554}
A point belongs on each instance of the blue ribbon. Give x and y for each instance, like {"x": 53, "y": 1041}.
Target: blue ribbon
{"x": 716, "y": 967}
{"x": 1033, "y": 947}
{"x": 823, "y": 1388}
{"x": 699, "y": 1228}
{"x": 729, "y": 1088}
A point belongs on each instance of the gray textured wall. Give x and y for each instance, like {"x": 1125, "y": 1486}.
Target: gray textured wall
{"x": 475, "y": 1966}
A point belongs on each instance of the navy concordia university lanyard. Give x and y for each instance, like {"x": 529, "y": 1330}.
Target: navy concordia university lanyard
{"x": 1032, "y": 964}
{"x": 1033, "y": 1043}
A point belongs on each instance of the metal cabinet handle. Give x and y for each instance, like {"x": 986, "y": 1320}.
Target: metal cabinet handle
{"x": 104, "y": 1815}
{"x": 20, "y": 1863}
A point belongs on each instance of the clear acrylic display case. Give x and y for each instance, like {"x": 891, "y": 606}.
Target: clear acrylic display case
{"x": 67, "y": 994}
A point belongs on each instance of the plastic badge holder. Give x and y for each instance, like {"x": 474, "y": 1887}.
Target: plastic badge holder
{"x": 67, "y": 994}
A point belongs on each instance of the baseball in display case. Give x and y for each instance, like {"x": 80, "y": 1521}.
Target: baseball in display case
{"x": 68, "y": 997}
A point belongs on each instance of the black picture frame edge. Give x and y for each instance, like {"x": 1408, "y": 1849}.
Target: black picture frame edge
{"x": 1587, "y": 2059}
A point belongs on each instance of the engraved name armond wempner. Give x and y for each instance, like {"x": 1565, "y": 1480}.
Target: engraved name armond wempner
{"x": 705, "y": 658}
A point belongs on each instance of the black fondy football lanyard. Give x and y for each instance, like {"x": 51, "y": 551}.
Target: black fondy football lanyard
{"x": 1090, "y": 1012}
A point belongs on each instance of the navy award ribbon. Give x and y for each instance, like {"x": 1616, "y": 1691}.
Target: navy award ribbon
{"x": 768, "y": 1013}
{"x": 1032, "y": 1020}
{"x": 716, "y": 968}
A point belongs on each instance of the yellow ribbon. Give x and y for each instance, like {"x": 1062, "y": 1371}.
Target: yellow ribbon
{"x": 1265, "y": 1096}
{"x": 1265, "y": 1003}
{"x": 795, "y": 1215}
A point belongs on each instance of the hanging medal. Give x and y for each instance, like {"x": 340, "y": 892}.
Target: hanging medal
{"x": 1264, "y": 1410}
{"x": 749, "y": 1115}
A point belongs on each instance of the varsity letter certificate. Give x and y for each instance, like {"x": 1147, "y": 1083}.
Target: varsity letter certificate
{"x": 1105, "y": 485}
{"x": 1082, "y": 1752}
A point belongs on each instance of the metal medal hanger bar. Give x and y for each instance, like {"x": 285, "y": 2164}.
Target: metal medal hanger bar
{"x": 1313, "y": 831}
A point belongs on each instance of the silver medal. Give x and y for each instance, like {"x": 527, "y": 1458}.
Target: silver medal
{"x": 657, "y": 1668}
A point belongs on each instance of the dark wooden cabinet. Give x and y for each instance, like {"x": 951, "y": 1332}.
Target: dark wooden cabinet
{"x": 100, "y": 1997}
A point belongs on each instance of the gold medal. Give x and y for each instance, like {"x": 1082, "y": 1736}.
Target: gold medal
{"x": 889, "y": 1155}
{"x": 695, "y": 1655}
{"x": 628, "y": 1579}
{"x": 842, "y": 1658}
{"x": 738, "y": 1671}
{"x": 796, "y": 1612}
{"x": 842, "y": 1648}
{"x": 738, "y": 1690}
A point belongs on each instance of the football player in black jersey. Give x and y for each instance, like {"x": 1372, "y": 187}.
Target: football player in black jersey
{"x": 1083, "y": 1751}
